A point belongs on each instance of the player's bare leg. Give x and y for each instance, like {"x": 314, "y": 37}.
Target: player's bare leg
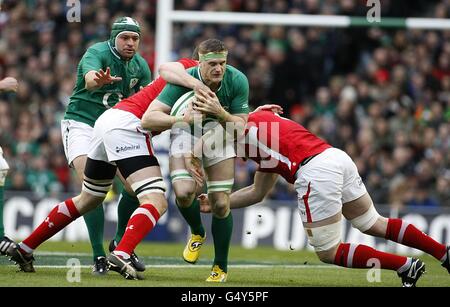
{"x": 95, "y": 222}
{"x": 128, "y": 203}
{"x": 144, "y": 176}
{"x": 185, "y": 192}
{"x": 97, "y": 182}
{"x": 362, "y": 213}
{"x": 220, "y": 182}
{"x": 325, "y": 237}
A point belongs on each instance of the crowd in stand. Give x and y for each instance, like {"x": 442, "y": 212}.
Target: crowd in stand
{"x": 380, "y": 94}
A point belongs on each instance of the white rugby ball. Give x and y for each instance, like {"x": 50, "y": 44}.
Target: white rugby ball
{"x": 182, "y": 103}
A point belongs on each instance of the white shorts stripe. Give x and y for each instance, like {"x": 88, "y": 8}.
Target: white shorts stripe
{"x": 333, "y": 179}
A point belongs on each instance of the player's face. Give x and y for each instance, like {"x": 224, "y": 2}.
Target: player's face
{"x": 213, "y": 70}
{"x": 127, "y": 44}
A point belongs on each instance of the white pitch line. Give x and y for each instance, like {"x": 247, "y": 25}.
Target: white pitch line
{"x": 202, "y": 266}
{"x": 61, "y": 254}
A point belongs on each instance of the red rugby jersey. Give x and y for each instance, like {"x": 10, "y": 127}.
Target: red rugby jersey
{"x": 139, "y": 102}
{"x": 279, "y": 144}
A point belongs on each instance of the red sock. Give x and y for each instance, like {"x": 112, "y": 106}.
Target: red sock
{"x": 407, "y": 234}
{"x": 360, "y": 256}
{"x": 140, "y": 224}
{"x": 61, "y": 216}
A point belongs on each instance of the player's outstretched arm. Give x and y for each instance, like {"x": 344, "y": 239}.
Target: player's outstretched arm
{"x": 270, "y": 107}
{"x": 175, "y": 73}
{"x": 96, "y": 79}
{"x": 255, "y": 193}
{"x": 157, "y": 117}
{"x": 247, "y": 196}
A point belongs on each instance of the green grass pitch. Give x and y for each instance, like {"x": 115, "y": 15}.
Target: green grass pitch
{"x": 260, "y": 267}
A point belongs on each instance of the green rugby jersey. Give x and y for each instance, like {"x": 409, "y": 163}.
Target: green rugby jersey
{"x": 232, "y": 93}
{"x": 86, "y": 106}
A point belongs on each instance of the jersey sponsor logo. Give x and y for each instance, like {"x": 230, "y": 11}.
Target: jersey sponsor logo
{"x": 133, "y": 82}
{"x": 127, "y": 148}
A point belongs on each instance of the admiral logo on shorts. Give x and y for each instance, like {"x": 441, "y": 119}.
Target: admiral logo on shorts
{"x": 127, "y": 148}
{"x": 359, "y": 181}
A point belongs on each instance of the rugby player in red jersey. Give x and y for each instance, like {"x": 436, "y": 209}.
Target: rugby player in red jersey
{"x": 328, "y": 186}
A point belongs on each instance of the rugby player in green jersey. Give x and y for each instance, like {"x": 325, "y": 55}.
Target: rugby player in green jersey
{"x": 226, "y": 101}
{"x": 109, "y": 71}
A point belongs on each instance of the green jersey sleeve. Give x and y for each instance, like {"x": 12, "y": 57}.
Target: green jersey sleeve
{"x": 91, "y": 61}
{"x": 239, "y": 104}
{"x": 146, "y": 77}
{"x": 171, "y": 93}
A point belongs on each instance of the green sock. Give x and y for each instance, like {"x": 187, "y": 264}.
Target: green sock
{"x": 221, "y": 231}
{"x": 125, "y": 209}
{"x": 192, "y": 216}
{"x": 2, "y": 227}
{"x": 95, "y": 222}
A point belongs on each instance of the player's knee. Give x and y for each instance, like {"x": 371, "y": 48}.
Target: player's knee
{"x": 184, "y": 193}
{"x": 93, "y": 193}
{"x": 367, "y": 220}
{"x": 324, "y": 240}
{"x": 221, "y": 206}
{"x": 86, "y": 202}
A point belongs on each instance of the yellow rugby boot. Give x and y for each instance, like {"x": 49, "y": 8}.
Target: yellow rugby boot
{"x": 217, "y": 275}
{"x": 192, "y": 250}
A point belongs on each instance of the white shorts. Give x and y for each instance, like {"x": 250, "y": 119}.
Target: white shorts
{"x": 182, "y": 142}
{"x": 325, "y": 183}
{"x": 76, "y": 137}
{"x": 119, "y": 135}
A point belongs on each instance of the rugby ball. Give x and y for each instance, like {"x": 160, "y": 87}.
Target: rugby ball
{"x": 180, "y": 106}
{"x": 182, "y": 103}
